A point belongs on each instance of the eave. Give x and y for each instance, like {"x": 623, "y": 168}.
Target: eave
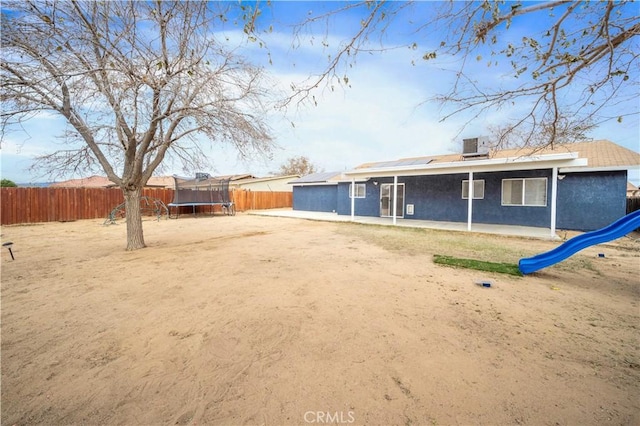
{"x": 545, "y": 161}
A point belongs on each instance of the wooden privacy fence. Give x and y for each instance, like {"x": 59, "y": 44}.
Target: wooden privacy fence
{"x": 633, "y": 204}
{"x": 259, "y": 200}
{"x": 32, "y": 205}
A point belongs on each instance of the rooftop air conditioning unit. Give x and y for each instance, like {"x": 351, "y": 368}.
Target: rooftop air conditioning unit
{"x": 202, "y": 176}
{"x": 475, "y": 147}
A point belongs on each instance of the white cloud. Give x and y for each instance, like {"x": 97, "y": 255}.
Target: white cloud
{"x": 377, "y": 118}
{"x": 382, "y": 116}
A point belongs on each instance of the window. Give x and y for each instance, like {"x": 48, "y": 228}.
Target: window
{"x": 524, "y": 192}
{"x": 360, "y": 190}
{"x": 478, "y": 189}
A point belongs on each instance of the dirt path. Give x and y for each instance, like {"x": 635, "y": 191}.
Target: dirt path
{"x": 257, "y": 320}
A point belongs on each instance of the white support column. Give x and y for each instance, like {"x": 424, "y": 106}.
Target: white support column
{"x": 353, "y": 199}
{"x": 395, "y": 198}
{"x": 554, "y": 199}
{"x": 470, "y": 202}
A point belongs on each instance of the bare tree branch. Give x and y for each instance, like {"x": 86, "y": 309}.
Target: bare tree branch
{"x": 137, "y": 82}
{"x": 300, "y": 166}
{"x": 568, "y": 72}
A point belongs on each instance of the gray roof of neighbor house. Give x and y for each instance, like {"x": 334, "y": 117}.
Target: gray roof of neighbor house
{"x": 234, "y": 177}
{"x": 317, "y": 178}
{"x": 265, "y": 179}
{"x": 600, "y": 154}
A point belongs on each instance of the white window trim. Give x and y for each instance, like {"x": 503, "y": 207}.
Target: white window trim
{"x": 359, "y": 186}
{"x": 475, "y": 196}
{"x": 524, "y": 191}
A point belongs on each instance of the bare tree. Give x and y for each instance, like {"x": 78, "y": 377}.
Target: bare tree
{"x": 137, "y": 82}
{"x": 568, "y": 74}
{"x": 300, "y": 165}
{"x": 564, "y": 131}
{"x": 575, "y": 62}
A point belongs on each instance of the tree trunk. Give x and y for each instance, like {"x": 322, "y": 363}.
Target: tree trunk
{"x": 135, "y": 237}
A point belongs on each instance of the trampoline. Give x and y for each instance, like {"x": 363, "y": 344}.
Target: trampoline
{"x": 201, "y": 191}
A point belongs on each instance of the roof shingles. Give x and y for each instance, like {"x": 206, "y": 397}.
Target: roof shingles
{"x": 599, "y": 154}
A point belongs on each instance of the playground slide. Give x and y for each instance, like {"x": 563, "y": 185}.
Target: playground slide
{"x": 617, "y": 229}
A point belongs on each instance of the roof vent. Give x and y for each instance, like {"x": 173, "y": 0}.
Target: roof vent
{"x": 475, "y": 147}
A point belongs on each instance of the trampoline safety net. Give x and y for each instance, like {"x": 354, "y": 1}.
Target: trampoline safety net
{"x": 201, "y": 190}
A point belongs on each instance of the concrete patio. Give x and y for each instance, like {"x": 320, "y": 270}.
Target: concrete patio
{"x": 518, "y": 231}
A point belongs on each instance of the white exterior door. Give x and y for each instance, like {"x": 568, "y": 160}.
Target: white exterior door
{"x": 386, "y": 200}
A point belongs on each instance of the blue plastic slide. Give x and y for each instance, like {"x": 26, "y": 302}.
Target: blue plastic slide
{"x": 617, "y": 229}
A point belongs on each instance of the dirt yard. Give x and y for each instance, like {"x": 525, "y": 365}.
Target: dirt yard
{"x": 262, "y": 320}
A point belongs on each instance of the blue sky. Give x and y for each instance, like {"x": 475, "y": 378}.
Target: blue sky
{"x": 381, "y": 116}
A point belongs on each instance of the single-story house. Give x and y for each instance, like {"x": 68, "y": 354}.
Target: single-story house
{"x": 579, "y": 186}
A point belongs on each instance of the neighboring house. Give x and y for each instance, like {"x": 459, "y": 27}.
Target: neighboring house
{"x": 104, "y": 182}
{"x": 240, "y": 181}
{"x": 252, "y": 183}
{"x": 161, "y": 182}
{"x": 632, "y": 190}
{"x": 88, "y": 182}
{"x": 267, "y": 184}
{"x": 579, "y": 186}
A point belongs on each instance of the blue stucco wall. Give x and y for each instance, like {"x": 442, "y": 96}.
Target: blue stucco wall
{"x": 321, "y": 198}
{"x": 436, "y": 197}
{"x": 440, "y": 198}
{"x": 588, "y": 201}
{"x": 492, "y": 210}
{"x": 367, "y": 206}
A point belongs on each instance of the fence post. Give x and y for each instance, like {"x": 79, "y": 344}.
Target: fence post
{"x": 633, "y": 204}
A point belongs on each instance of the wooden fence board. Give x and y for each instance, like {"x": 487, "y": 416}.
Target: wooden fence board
{"x": 258, "y": 200}
{"x": 33, "y": 205}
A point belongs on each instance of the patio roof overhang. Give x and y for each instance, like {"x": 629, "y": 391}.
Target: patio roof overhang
{"x": 545, "y": 161}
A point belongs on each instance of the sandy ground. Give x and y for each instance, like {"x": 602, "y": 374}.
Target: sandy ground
{"x": 259, "y": 320}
